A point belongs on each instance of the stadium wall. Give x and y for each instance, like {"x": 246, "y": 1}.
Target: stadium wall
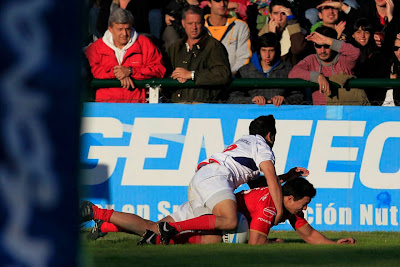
{"x": 140, "y": 158}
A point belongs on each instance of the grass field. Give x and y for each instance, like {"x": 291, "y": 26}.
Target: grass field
{"x": 372, "y": 249}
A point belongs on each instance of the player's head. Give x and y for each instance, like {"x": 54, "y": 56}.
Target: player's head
{"x": 297, "y": 194}
{"x": 264, "y": 126}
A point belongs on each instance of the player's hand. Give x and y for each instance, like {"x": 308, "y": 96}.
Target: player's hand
{"x": 275, "y": 241}
{"x": 127, "y": 83}
{"x": 323, "y": 85}
{"x": 347, "y": 241}
{"x": 298, "y": 172}
{"x": 277, "y": 100}
{"x": 294, "y": 173}
{"x": 278, "y": 218}
{"x": 169, "y": 19}
{"x": 259, "y": 100}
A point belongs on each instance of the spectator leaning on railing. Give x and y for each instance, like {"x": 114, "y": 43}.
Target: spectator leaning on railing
{"x": 124, "y": 54}
{"x": 373, "y": 62}
{"x": 334, "y": 60}
{"x": 266, "y": 63}
{"x": 198, "y": 57}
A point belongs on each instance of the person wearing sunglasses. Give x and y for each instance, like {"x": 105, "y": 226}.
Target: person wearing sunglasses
{"x": 332, "y": 57}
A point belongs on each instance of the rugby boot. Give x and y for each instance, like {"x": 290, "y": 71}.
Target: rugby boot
{"x": 96, "y": 232}
{"x": 167, "y": 232}
{"x": 148, "y": 238}
{"x": 86, "y": 211}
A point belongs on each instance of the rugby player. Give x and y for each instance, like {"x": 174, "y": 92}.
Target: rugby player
{"x": 211, "y": 190}
{"x": 255, "y": 204}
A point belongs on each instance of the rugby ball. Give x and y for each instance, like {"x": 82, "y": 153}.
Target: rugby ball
{"x": 240, "y": 235}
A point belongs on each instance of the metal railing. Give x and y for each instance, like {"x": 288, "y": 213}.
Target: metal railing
{"x": 154, "y": 85}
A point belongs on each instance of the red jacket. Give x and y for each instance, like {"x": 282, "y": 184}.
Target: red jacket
{"x": 144, "y": 58}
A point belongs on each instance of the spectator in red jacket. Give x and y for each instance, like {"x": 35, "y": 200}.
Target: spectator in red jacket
{"x": 124, "y": 54}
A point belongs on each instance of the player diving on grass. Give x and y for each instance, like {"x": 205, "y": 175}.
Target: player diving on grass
{"x": 255, "y": 204}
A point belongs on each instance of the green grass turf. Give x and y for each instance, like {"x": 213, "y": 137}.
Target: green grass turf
{"x": 372, "y": 249}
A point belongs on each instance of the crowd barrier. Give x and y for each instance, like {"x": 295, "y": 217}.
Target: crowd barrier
{"x": 154, "y": 85}
{"x": 140, "y": 158}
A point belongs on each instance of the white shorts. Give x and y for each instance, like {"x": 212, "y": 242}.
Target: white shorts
{"x": 183, "y": 213}
{"x": 209, "y": 186}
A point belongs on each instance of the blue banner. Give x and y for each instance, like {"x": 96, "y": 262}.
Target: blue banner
{"x": 140, "y": 158}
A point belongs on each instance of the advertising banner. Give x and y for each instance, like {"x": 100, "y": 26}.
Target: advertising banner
{"x": 140, "y": 158}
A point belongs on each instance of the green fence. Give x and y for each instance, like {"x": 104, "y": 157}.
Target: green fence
{"x": 244, "y": 84}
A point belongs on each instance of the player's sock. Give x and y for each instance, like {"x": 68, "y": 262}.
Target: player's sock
{"x": 196, "y": 239}
{"x": 102, "y": 214}
{"x": 192, "y": 237}
{"x": 108, "y": 227}
{"x": 205, "y": 222}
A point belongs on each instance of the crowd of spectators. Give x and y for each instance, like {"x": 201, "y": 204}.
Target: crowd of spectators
{"x": 214, "y": 42}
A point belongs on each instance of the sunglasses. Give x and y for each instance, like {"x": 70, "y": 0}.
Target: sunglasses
{"x": 326, "y": 8}
{"x": 395, "y": 48}
{"x": 320, "y": 46}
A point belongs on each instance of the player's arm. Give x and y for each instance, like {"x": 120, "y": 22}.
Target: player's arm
{"x": 257, "y": 238}
{"x": 312, "y": 236}
{"x": 267, "y": 167}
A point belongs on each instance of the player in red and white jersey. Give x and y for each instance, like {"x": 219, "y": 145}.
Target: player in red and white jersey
{"x": 210, "y": 192}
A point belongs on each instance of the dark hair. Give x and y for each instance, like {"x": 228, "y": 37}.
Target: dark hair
{"x": 262, "y": 126}
{"x": 269, "y": 39}
{"x": 327, "y": 31}
{"x": 273, "y": 3}
{"x": 191, "y": 9}
{"x": 323, "y": 1}
{"x": 298, "y": 188}
{"x": 365, "y": 25}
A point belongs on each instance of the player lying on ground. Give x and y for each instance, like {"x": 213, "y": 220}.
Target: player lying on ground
{"x": 256, "y": 204}
{"x": 114, "y": 221}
